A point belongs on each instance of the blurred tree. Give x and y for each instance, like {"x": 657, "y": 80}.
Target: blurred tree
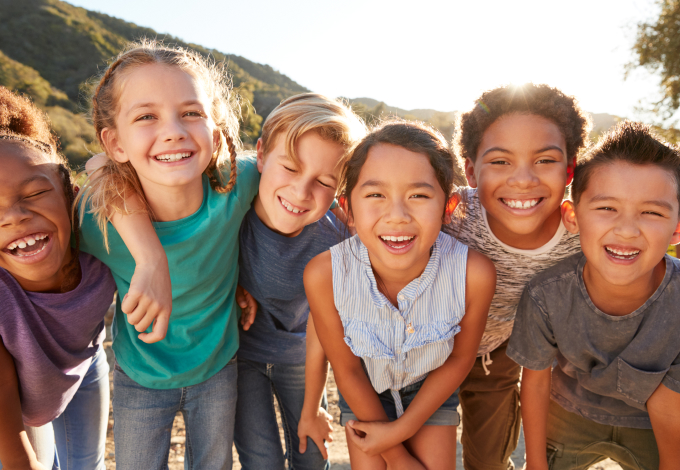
{"x": 657, "y": 48}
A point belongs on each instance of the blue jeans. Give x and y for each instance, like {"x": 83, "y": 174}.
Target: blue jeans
{"x": 445, "y": 415}
{"x": 143, "y": 420}
{"x": 257, "y": 434}
{"x": 80, "y": 431}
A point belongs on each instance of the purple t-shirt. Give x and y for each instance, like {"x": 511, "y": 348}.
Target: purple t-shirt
{"x": 52, "y": 337}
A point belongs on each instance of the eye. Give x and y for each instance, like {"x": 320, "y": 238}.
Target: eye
{"x": 374, "y": 195}
{"x": 145, "y": 117}
{"x": 420, "y": 196}
{"x": 324, "y": 184}
{"x": 499, "y": 162}
{"x": 37, "y": 193}
{"x": 292, "y": 170}
{"x": 606, "y": 208}
{"x": 194, "y": 114}
{"x": 547, "y": 160}
{"x": 653, "y": 213}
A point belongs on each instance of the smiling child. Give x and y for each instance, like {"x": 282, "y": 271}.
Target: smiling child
{"x": 608, "y": 316}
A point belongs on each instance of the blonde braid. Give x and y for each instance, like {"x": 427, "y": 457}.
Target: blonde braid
{"x": 232, "y": 156}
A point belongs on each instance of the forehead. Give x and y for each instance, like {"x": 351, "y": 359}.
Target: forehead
{"x": 19, "y": 162}
{"x": 310, "y": 150}
{"x": 158, "y": 84}
{"x": 393, "y": 164}
{"x": 518, "y": 132}
{"x": 632, "y": 183}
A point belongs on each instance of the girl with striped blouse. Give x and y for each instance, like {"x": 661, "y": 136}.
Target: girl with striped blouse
{"x": 387, "y": 303}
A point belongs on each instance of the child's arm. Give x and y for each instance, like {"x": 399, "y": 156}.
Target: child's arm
{"x": 535, "y": 399}
{"x": 314, "y": 420}
{"x": 350, "y": 376}
{"x": 664, "y": 412}
{"x": 15, "y": 450}
{"x": 442, "y": 382}
{"x": 149, "y": 299}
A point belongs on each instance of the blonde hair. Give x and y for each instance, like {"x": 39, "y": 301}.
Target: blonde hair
{"x": 330, "y": 119}
{"x": 116, "y": 181}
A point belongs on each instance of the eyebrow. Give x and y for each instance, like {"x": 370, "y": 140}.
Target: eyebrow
{"x": 35, "y": 178}
{"x": 287, "y": 158}
{"x": 151, "y": 105}
{"x": 544, "y": 149}
{"x": 653, "y": 202}
{"x": 416, "y": 185}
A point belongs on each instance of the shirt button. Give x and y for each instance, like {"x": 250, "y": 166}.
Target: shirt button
{"x": 401, "y": 297}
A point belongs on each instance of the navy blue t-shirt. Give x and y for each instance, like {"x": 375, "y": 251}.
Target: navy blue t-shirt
{"x": 271, "y": 268}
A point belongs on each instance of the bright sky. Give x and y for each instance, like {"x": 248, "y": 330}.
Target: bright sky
{"x": 420, "y": 53}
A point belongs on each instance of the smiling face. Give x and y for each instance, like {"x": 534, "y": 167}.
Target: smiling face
{"x": 35, "y": 229}
{"x": 163, "y": 127}
{"x": 521, "y": 174}
{"x": 396, "y": 208}
{"x": 625, "y": 229}
{"x": 295, "y": 194}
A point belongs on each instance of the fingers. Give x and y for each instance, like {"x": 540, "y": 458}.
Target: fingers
{"x": 241, "y": 297}
{"x": 160, "y": 329}
{"x": 303, "y": 443}
{"x": 321, "y": 445}
{"x": 130, "y": 302}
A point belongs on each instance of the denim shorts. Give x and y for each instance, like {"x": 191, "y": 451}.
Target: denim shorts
{"x": 446, "y": 415}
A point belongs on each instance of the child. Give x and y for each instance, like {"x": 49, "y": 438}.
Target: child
{"x": 518, "y": 146}
{"x": 300, "y": 154}
{"x": 164, "y": 119}
{"x": 54, "y": 378}
{"x": 608, "y": 316}
{"x": 391, "y": 299}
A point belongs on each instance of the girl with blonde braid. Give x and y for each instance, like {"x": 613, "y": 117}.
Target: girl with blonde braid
{"x": 164, "y": 118}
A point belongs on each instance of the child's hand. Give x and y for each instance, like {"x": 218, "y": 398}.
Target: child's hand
{"x": 149, "y": 300}
{"x": 373, "y": 438}
{"x": 248, "y": 306}
{"x": 318, "y": 428}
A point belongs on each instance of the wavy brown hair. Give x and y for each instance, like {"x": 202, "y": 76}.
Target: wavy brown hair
{"x": 541, "y": 100}
{"x": 23, "y": 124}
{"x": 114, "y": 182}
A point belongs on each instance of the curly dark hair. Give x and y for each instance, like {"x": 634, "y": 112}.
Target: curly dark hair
{"x": 541, "y": 100}
{"x": 629, "y": 142}
{"x": 22, "y": 123}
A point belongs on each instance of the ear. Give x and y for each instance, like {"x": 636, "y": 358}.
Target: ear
{"x": 675, "y": 239}
{"x": 260, "y": 155}
{"x": 569, "y": 216}
{"x": 113, "y": 148}
{"x": 570, "y": 171}
{"x": 342, "y": 202}
{"x": 451, "y": 205}
{"x": 470, "y": 173}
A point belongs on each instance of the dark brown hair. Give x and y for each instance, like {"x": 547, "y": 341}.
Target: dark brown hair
{"x": 22, "y": 123}
{"x": 628, "y": 142}
{"x": 541, "y": 100}
{"x": 414, "y": 136}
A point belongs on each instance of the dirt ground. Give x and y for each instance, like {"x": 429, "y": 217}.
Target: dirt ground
{"x": 337, "y": 449}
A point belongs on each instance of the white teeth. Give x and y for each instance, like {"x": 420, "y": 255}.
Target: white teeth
{"x": 521, "y": 204}
{"x": 22, "y": 244}
{"x": 289, "y": 207}
{"x": 26, "y": 241}
{"x": 621, "y": 252}
{"x": 30, "y": 242}
{"x": 389, "y": 238}
{"x": 173, "y": 157}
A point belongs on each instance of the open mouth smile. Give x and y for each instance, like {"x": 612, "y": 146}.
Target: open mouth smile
{"x": 291, "y": 208}
{"x": 397, "y": 242}
{"x": 28, "y": 246}
{"x": 173, "y": 157}
{"x": 521, "y": 203}
{"x": 622, "y": 254}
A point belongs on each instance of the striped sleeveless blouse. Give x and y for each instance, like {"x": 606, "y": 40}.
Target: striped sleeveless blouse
{"x": 400, "y": 346}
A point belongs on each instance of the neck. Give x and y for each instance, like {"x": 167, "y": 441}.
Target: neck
{"x": 527, "y": 241}
{"x": 170, "y": 203}
{"x": 390, "y": 281}
{"x": 617, "y": 300}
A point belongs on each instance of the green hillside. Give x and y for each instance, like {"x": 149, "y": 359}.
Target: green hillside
{"x": 50, "y": 49}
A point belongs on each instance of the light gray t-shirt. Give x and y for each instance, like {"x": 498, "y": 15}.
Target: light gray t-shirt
{"x": 514, "y": 267}
{"x": 607, "y": 366}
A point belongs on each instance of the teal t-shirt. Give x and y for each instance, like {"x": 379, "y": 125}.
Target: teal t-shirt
{"x": 202, "y": 252}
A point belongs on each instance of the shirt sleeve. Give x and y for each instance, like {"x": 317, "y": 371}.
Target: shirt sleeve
{"x": 532, "y": 343}
{"x": 672, "y": 378}
{"x": 247, "y": 180}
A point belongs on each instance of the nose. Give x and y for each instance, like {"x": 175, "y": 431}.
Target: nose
{"x": 398, "y": 212}
{"x": 627, "y": 227}
{"x": 14, "y": 215}
{"x": 524, "y": 177}
{"x": 173, "y": 130}
{"x": 302, "y": 188}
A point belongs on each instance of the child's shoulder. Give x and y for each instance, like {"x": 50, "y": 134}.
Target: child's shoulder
{"x": 564, "y": 272}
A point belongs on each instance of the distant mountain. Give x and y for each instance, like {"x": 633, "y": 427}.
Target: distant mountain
{"x": 50, "y": 49}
